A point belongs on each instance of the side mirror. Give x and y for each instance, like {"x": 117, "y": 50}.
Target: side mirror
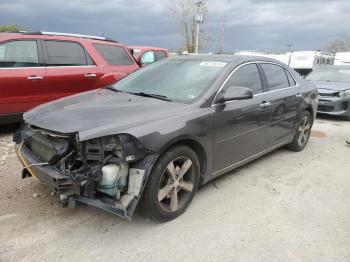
{"x": 234, "y": 93}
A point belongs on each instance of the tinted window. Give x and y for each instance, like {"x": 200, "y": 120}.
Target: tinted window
{"x": 19, "y": 54}
{"x": 290, "y": 79}
{"x": 276, "y": 76}
{"x": 63, "y": 53}
{"x": 246, "y": 76}
{"x": 114, "y": 55}
{"x": 148, "y": 57}
{"x": 159, "y": 55}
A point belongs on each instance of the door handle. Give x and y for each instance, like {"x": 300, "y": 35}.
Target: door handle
{"x": 34, "y": 78}
{"x": 90, "y": 75}
{"x": 265, "y": 104}
{"x": 299, "y": 95}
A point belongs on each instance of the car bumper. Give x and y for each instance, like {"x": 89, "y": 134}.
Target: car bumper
{"x": 339, "y": 106}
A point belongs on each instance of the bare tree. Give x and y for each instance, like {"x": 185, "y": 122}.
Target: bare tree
{"x": 342, "y": 44}
{"x": 183, "y": 12}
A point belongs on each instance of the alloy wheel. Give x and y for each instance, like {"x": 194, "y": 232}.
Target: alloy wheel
{"x": 304, "y": 131}
{"x": 176, "y": 184}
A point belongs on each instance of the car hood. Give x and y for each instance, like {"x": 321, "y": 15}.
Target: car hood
{"x": 331, "y": 87}
{"x": 92, "y": 113}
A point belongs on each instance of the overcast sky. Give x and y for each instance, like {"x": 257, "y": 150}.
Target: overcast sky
{"x": 265, "y": 25}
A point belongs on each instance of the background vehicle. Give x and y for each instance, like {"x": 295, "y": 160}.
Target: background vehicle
{"x": 284, "y": 58}
{"x": 146, "y": 54}
{"x": 163, "y": 130}
{"x": 333, "y": 84}
{"x": 305, "y": 61}
{"x": 39, "y": 67}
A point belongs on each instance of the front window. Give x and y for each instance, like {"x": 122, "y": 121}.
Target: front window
{"x": 22, "y": 53}
{"x": 177, "y": 80}
{"x": 246, "y": 76}
{"x": 330, "y": 75}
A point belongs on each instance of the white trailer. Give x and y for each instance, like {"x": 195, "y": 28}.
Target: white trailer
{"x": 284, "y": 58}
{"x": 305, "y": 61}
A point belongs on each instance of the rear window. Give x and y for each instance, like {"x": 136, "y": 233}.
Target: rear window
{"x": 63, "y": 53}
{"x": 290, "y": 79}
{"x": 114, "y": 55}
{"x": 276, "y": 76}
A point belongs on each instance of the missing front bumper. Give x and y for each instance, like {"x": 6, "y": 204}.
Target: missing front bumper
{"x": 69, "y": 192}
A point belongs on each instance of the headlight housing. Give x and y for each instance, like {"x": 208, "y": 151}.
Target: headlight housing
{"x": 344, "y": 93}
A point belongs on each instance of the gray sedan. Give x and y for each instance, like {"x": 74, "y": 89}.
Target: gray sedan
{"x": 333, "y": 84}
{"x": 162, "y": 131}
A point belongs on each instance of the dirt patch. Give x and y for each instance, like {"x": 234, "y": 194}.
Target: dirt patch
{"x": 319, "y": 134}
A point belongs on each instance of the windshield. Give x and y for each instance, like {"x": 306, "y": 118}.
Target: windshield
{"x": 330, "y": 74}
{"x": 176, "y": 80}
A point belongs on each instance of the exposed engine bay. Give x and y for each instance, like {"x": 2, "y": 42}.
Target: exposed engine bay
{"x": 108, "y": 172}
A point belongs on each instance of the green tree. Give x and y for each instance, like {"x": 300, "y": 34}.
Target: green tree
{"x": 10, "y": 28}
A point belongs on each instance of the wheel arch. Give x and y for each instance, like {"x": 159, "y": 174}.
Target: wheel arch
{"x": 196, "y": 146}
{"x": 311, "y": 111}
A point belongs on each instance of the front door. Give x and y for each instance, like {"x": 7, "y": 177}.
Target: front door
{"x": 241, "y": 127}
{"x": 22, "y": 76}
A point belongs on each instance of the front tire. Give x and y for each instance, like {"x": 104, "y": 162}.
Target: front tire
{"x": 302, "y": 132}
{"x": 172, "y": 184}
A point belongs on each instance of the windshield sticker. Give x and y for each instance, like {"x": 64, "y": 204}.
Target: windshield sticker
{"x": 212, "y": 63}
{"x": 344, "y": 71}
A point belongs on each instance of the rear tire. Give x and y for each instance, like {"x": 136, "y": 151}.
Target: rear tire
{"x": 172, "y": 184}
{"x": 302, "y": 132}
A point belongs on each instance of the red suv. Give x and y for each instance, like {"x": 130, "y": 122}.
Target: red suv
{"x": 39, "y": 67}
{"x": 146, "y": 54}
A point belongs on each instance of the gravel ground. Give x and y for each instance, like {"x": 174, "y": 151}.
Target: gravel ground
{"x": 285, "y": 206}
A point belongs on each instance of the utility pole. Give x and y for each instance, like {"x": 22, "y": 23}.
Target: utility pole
{"x": 198, "y": 19}
{"x": 221, "y": 41}
{"x": 289, "y": 47}
{"x": 290, "y": 52}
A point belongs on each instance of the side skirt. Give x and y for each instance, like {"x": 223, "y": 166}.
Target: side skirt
{"x": 244, "y": 161}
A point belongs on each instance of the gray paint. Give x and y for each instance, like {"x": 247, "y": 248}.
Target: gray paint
{"x": 227, "y": 133}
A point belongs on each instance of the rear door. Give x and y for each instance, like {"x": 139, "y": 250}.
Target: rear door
{"x": 22, "y": 75}
{"x": 241, "y": 127}
{"x": 70, "y": 69}
{"x": 285, "y": 102}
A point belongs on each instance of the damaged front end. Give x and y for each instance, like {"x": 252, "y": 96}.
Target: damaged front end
{"x": 108, "y": 172}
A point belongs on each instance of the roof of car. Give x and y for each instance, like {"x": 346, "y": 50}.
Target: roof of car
{"x": 145, "y": 47}
{"x": 227, "y": 58}
{"x": 57, "y": 36}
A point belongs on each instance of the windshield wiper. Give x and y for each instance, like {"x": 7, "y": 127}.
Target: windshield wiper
{"x": 111, "y": 88}
{"x": 161, "y": 97}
